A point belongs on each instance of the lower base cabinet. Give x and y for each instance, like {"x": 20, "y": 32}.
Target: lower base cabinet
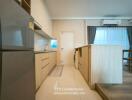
{"x": 100, "y": 64}
{"x": 44, "y": 63}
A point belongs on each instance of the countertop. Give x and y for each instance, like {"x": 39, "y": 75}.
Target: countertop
{"x": 37, "y": 52}
{"x": 97, "y": 45}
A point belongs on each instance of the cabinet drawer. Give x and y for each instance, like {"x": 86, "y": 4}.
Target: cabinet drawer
{"x": 45, "y": 64}
{"x": 44, "y": 73}
{"x": 44, "y": 59}
{"x": 44, "y": 56}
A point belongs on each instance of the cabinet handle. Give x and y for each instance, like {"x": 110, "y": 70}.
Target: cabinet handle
{"x": 45, "y": 66}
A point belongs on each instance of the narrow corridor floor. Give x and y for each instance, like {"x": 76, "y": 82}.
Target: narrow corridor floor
{"x": 69, "y": 86}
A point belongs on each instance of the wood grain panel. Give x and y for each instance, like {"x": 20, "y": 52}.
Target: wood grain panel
{"x": 101, "y": 64}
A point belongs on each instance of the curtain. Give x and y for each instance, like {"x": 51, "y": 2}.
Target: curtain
{"x": 112, "y": 36}
{"x": 129, "y": 31}
{"x": 91, "y": 34}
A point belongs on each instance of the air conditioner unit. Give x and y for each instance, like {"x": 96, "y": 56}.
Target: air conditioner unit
{"x": 110, "y": 22}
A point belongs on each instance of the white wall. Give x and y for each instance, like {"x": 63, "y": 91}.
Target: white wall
{"x": 40, "y": 13}
{"x": 78, "y": 27}
{"x": 75, "y": 26}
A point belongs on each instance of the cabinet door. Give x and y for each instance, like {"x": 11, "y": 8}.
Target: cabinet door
{"x": 45, "y": 72}
{"x": 18, "y": 76}
{"x": 38, "y": 70}
{"x": 45, "y": 67}
{"x": 80, "y": 60}
{"x": 52, "y": 59}
{"x": 44, "y": 63}
{"x": 89, "y": 65}
{"x": 85, "y": 63}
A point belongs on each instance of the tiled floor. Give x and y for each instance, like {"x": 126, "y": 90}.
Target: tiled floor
{"x": 69, "y": 86}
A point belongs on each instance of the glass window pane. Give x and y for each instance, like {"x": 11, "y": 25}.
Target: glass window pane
{"x": 53, "y": 44}
{"x": 112, "y": 36}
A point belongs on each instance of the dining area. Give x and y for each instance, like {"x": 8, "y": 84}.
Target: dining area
{"x": 128, "y": 59}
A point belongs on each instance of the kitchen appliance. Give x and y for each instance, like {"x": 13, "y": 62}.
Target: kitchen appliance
{"x": 17, "y": 71}
{"x": 15, "y": 33}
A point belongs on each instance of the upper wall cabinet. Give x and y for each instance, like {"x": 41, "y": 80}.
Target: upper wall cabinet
{"x": 26, "y": 4}
{"x": 40, "y": 14}
{"x": 38, "y": 29}
{"x": 9, "y": 7}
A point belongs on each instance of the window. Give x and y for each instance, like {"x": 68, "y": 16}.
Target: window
{"x": 53, "y": 44}
{"x": 112, "y": 36}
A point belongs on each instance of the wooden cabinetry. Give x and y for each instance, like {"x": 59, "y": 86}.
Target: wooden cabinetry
{"x": 44, "y": 63}
{"x": 83, "y": 62}
{"x": 100, "y": 64}
{"x": 52, "y": 59}
{"x": 26, "y": 5}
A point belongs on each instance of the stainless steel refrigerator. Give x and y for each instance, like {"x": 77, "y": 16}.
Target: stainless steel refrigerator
{"x": 17, "y": 71}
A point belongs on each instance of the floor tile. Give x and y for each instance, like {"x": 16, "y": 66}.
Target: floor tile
{"x": 69, "y": 86}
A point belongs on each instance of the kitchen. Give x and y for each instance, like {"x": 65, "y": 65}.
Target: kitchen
{"x": 39, "y": 42}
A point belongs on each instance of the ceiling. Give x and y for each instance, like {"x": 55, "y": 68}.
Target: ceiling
{"x": 86, "y": 9}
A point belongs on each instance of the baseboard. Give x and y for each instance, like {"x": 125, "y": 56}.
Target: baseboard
{"x": 101, "y": 92}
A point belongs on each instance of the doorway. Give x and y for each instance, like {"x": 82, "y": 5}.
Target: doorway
{"x": 67, "y": 48}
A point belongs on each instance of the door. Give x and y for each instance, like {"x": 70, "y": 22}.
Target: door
{"x": 18, "y": 75}
{"x": 67, "y": 48}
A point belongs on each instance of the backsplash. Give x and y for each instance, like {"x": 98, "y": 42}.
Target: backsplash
{"x": 40, "y": 43}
